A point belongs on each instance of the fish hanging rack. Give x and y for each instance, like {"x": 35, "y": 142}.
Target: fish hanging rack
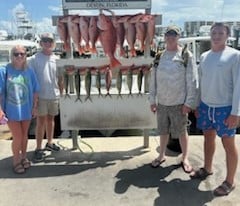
{"x": 94, "y": 110}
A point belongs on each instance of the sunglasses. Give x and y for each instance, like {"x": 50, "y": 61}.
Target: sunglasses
{"x": 171, "y": 33}
{"x": 47, "y": 40}
{"x": 16, "y": 54}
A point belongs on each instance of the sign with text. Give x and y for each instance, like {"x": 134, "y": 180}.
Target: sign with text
{"x": 106, "y": 4}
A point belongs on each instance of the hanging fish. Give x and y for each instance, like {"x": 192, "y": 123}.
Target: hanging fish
{"x": 63, "y": 32}
{"x": 88, "y": 82}
{"x": 108, "y": 38}
{"x": 139, "y": 80}
{"x": 66, "y": 84}
{"x": 108, "y": 79}
{"x": 119, "y": 82}
{"x": 98, "y": 81}
{"x": 69, "y": 71}
{"x": 77, "y": 78}
{"x": 84, "y": 29}
{"x": 120, "y": 31}
{"x": 130, "y": 80}
{"x": 74, "y": 32}
{"x": 93, "y": 33}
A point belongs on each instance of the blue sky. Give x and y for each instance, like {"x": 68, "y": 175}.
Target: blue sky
{"x": 173, "y": 11}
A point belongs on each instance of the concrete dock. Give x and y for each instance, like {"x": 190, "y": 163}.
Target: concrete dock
{"x": 112, "y": 171}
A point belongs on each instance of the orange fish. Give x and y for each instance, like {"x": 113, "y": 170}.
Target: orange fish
{"x": 108, "y": 38}
{"x": 74, "y": 32}
{"x": 93, "y": 33}
{"x": 130, "y": 33}
{"x": 120, "y": 31}
{"x": 63, "y": 32}
{"x": 151, "y": 21}
{"x": 84, "y": 25}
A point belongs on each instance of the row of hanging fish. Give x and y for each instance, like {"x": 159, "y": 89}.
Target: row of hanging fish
{"x": 87, "y": 72}
{"x": 110, "y": 30}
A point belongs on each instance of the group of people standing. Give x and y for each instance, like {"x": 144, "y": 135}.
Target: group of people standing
{"x": 28, "y": 89}
{"x": 177, "y": 87}
{"x": 211, "y": 90}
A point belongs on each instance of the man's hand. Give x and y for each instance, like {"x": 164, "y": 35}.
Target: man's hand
{"x": 232, "y": 121}
{"x": 153, "y": 108}
{"x": 186, "y": 109}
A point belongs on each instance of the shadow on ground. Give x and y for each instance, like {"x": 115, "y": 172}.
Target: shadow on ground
{"x": 68, "y": 162}
{"x": 174, "y": 192}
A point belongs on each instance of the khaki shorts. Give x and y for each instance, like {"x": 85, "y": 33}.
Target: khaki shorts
{"x": 48, "y": 107}
{"x": 171, "y": 121}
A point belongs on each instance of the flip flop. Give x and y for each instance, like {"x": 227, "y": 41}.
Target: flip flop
{"x": 18, "y": 169}
{"x": 186, "y": 167}
{"x": 26, "y": 163}
{"x": 201, "y": 174}
{"x": 156, "y": 163}
{"x": 224, "y": 189}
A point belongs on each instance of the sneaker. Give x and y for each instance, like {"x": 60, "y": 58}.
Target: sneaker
{"x": 38, "y": 155}
{"x": 52, "y": 147}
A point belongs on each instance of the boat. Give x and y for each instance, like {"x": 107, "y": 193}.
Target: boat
{"x": 7, "y": 45}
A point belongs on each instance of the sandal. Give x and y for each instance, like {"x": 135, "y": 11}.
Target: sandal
{"x": 26, "y": 163}
{"x": 187, "y": 168}
{"x": 224, "y": 189}
{"x": 201, "y": 174}
{"x": 18, "y": 168}
{"x": 156, "y": 163}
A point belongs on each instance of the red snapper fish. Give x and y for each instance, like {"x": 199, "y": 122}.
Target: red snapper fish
{"x": 151, "y": 21}
{"x": 63, "y": 32}
{"x": 74, "y": 32}
{"x": 93, "y": 33}
{"x": 84, "y": 25}
{"x": 120, "y": 31}
{"x": 108, "y": 38}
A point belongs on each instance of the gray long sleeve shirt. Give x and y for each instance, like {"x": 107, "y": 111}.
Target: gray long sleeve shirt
{"x": 220, "y": 79}
{"x": 172, "y": 83}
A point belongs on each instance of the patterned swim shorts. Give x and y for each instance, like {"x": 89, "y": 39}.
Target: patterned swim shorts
{"x": 213, "y": 118}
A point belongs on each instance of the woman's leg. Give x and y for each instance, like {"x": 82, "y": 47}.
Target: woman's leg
{"x": 25, "y": 126}
{"x": 15, "y": 128}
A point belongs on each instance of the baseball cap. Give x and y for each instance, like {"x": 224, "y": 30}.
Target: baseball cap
{"x": 47, "y": 36}
{"x": 172, "y": 28}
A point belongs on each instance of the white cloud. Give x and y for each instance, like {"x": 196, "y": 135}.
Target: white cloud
{"x": 45, "y": 25}
{"x": 56, "y": 9}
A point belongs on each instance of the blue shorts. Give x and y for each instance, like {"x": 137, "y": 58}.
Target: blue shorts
{"x": 213, "y": 118}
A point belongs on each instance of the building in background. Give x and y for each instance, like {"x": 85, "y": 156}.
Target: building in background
{"x": 201, "y": 28}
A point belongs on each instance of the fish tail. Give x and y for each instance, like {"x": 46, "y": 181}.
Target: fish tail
{"x": 93, "y": 50}
{"x": 66, "y": 46}
{"x": 87, "y": 47}
{"x": 133, "y": 52}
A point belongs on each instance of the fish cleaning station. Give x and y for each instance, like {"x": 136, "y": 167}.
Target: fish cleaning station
{"x": 106, "y": 68}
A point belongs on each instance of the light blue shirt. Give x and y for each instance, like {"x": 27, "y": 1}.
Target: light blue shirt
{"x": 220, "y": 79}
{"x": 17, "y": 96}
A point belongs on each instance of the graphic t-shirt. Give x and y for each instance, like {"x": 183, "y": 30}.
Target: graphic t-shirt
{"x": 17, "y": 88}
